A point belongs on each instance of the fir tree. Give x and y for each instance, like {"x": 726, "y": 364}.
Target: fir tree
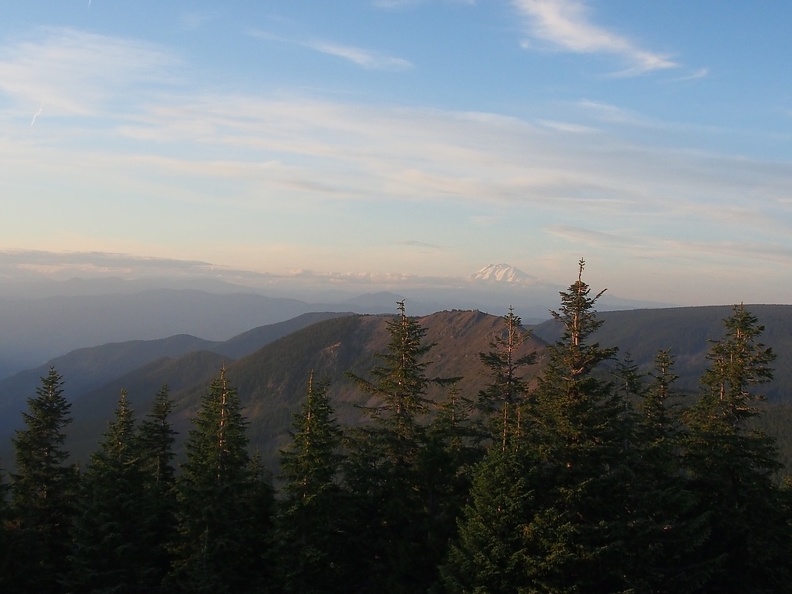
{"x": 309, "y": 527}
{"x": 155, "y": 439}
{"x": 489, "y": 553}
{"x": 504, "y": 399}
{"x": 733, "y": 466}
{"x": 576, "y": 536}
{"x": 390, "y": 523}
{"x": 666, "y": 527}
{"x": 43, "y": 490}
{"x": 216, "y": 519}
{"x": 111, "y": 547}
{"x": 445, "y": 468}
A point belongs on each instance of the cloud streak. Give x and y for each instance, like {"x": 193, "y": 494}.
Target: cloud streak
{"x": 566, "y": 25}
{"x": 362, "y": 57}
{"x": 77, "y": 73}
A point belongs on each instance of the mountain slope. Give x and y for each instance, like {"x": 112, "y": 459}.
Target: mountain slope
{"x": 271, "y": 382}
{"x": 87, "y": 369}
{"x": 687, "y": 332}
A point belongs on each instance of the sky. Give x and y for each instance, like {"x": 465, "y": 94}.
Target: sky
{"x": 398, "y": 141}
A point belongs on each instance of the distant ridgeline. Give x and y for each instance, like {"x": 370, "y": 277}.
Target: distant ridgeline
{"x": 456, "y": 452}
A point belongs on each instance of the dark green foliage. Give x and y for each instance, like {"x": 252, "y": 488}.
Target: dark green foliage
{"x": 667, "y": 526}
{"x": 504, "y": 399}
{"x": 391, "y": 528}
{"x": 155, "y": 439}
{"x": 580, "y": 431}
{"x": 111, "y": 543}
{"x": 732, "y": 467}
{"x": 310, "y": 521}
{"x": 218, "y": 496}
{"x": 685, "y": 331}
{"x": 489, "y": 555}
{"x": 399, "y": 383}
{"x": 43, "y": 490}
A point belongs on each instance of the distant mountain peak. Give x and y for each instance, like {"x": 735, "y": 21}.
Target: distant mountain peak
{"x": 503, "y": 273}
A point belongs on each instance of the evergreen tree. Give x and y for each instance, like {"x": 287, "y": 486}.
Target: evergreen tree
{"x": 216, "y": 519}
{"x": 43, "y": 490}
{"x": 503, "y": 401}
{"x": 489, "y": 553}
{"x": 155, "y": 438}
{"x": 309, "y": 527}
{"x": 445, "y": 470}
{"x": 382, "y": 472}
{"x": 576, "y": 537}
{"x": 111, "y": 547}
{"x": 667, "y": 527}
{"x": 732, "y": 467}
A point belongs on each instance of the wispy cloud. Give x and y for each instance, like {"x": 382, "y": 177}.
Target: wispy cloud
{"x": 566, "y": 25}
{"x": 567, "y": 127}
{"x": 74, "y": 72}
{"x": 700, "y": 73}
{"x": 589, "y": 237}
{"x": 362, "y": 57}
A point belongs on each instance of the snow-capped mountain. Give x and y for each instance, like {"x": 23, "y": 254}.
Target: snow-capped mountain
{"x": 502, "y": 273}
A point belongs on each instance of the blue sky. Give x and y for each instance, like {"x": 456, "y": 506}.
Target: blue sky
{"x": 401, "y": 141}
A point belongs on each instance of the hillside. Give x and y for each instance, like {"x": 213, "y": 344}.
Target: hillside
{"x": 271, "y": 382}
{"x": 687, "y": 332}
{"x": 88, "y": 369}
{"x": 270, "y": 365}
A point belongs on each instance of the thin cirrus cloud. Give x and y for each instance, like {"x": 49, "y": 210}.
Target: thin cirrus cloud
{"x": 362, "y": 57}
{"x": 74, "y": 72}
{"x": 566, "y": 25}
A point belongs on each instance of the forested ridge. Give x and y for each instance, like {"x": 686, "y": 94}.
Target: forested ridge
{"x": 588, "y": 475}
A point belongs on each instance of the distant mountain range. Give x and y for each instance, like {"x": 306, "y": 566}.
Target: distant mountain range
{"x": 270, "y": 364}
{"x": 42, "y": 320}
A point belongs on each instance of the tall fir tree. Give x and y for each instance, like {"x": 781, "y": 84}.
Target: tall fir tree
{"x": 487, "y": 553}
{"x": 667, "y": 526}
{"x": 216, "y": 519}
{"x": 310, "y": 522}
{"x": 733, "y": 467}
{"x": 43, "y": 491}
{"x": 155, "y": 441}
{"x": 390, "y": 522}
{"x": 503, "y": 401}
{"x": 111, "y": 547}
{"x": 576, "y": 537}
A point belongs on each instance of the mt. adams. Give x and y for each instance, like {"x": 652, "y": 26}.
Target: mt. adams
{"x": 503, "y": 273}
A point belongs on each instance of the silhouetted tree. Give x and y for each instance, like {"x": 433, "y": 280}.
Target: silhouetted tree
{"x": 310, "y": 522}
{"x": 43, "y": 490}
{"x": 111, "y": 550}
{"x": 733, "y": 466}
{"x": 216, "y": 521}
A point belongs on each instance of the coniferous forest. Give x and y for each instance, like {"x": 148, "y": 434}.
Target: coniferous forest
{"x": 593, "y": 477}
